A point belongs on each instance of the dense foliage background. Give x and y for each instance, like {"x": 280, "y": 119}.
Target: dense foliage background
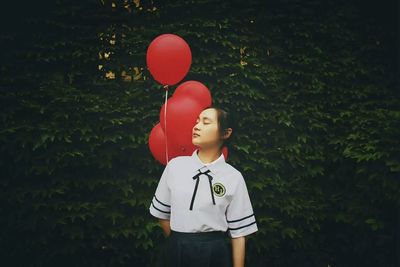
{"x": 312, "y": 84}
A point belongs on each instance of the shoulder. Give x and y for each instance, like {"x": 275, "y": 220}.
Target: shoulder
{"x": 232, "y": 170}
{"x": 178, "y": 161}
{"x": 234, "y": 173}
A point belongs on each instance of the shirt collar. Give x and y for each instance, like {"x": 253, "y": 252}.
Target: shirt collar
{"x": 214, "y": 166}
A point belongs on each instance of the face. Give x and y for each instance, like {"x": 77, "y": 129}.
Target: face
{"x": 205, "y": 132}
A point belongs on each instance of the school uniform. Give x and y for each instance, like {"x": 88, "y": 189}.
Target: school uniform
{"x": 205, "y": 203}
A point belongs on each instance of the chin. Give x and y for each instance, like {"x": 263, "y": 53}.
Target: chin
{"x": 196, "y": 143}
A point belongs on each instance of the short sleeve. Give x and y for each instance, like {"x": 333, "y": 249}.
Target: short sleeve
{"x": 160, "y": 206}
{"x": 239, "y": 213}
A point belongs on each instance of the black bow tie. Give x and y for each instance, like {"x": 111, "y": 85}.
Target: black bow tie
{"x": 196, "y": 177}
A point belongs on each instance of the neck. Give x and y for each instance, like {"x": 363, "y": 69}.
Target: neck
{"x": 207, "y": 155}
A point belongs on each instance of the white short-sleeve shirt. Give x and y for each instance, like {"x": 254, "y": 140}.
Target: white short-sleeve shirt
{"x": 223, "y": 206}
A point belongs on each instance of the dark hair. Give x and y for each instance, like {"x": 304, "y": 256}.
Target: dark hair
{"x": 225, "y": 120}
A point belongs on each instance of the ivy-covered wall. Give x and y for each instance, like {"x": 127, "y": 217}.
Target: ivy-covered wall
{"x": 312, "y": 85}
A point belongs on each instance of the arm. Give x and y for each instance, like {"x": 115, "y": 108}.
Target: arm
{"x": 160, "y": 206}
{"x": 241, "y": 222}
{"x": 238, "y": 251}
{"x": 165, "y": 226}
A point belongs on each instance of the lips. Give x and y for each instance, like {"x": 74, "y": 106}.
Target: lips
{"x": 195, "y": 135}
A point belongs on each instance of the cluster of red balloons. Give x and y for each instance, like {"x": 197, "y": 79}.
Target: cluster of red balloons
{"x": 168, "y": 59}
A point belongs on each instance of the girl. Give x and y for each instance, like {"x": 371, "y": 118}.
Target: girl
{"x": 201, "y": 200}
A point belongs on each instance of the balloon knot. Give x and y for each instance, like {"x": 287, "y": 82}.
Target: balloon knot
{"x": 166, "y": 87}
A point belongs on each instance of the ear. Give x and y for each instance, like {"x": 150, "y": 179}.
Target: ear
{"x": 227, "y": 134}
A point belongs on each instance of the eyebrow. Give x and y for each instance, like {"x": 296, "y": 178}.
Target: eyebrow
{"x": 205, "y": 118}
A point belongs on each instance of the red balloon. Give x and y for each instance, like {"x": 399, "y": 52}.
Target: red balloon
{"x": 195, "y": 90}
{"x": 225, "y": 152}
{"x": 168, "y": 59}
{"x": 157, "y": 145}
{"x": 182, "y": 113}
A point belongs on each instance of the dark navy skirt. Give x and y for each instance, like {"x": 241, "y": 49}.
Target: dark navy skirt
{"x": 200, "y": 249}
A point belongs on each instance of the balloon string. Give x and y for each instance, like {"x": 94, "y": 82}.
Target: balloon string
{"x": 165, "y": 121}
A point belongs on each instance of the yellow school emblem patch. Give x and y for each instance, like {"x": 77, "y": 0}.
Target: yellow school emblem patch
{"x": 219, "y": 189}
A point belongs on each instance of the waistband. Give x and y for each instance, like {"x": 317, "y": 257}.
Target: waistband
{"x": 211, "y": 235}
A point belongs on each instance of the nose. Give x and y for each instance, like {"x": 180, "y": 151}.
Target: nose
{"x": 195, "y": 127}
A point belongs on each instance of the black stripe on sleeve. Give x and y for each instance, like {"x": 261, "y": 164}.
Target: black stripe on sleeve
{"x": 240, "y": 219}
{"x": 161, "y": 202}
{"x": 242, "y": 226}
{"x": 159, "y": 209}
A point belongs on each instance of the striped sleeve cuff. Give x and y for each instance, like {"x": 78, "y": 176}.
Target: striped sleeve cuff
{"x": 242, "y": 226}
{"x": 160, "y": 209}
